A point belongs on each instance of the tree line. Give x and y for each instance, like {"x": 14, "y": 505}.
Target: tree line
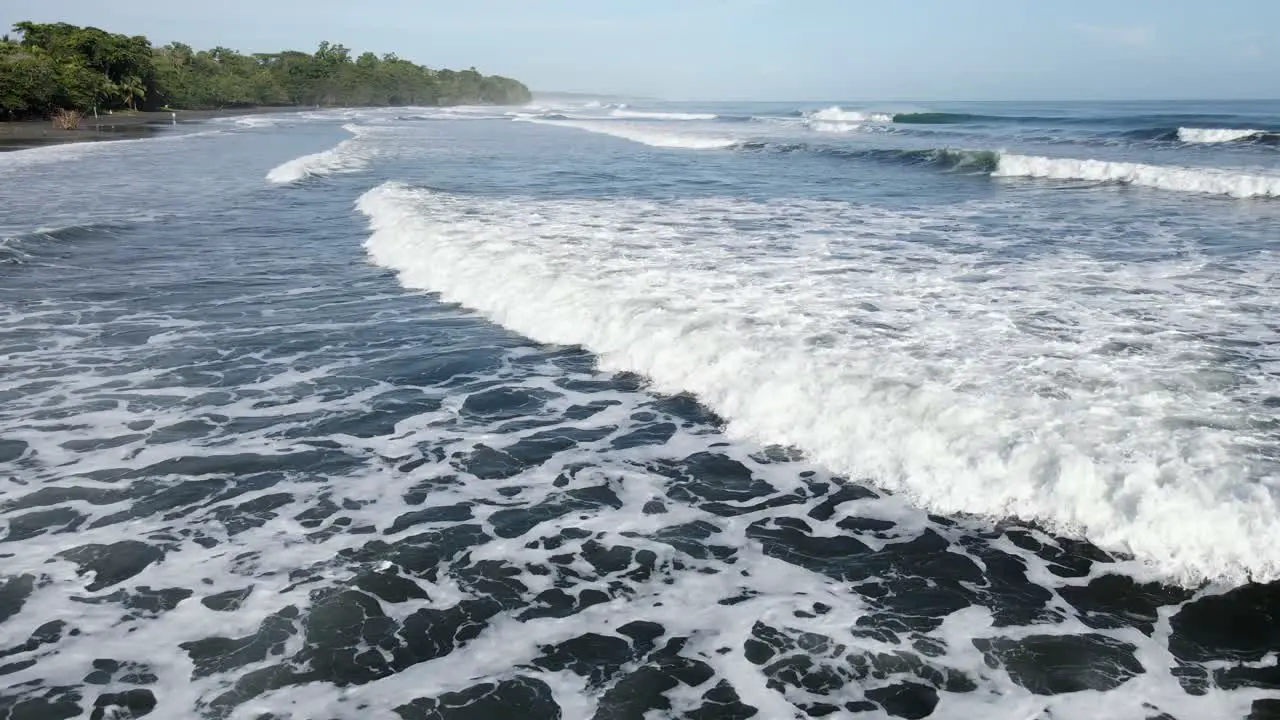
{"x": 56, "y": 66}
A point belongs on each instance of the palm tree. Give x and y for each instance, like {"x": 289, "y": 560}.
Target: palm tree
{"x": 131, "y": 89}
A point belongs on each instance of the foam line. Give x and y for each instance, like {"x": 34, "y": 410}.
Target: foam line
{"x": 1179, "y": 179}
{"x": 880, "y": 359}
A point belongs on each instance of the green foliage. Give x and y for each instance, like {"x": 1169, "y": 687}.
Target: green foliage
{"x": 28, "y": 81}
{"x": 57, "y": 65}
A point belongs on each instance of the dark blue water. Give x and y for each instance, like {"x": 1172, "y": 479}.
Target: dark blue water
{"x": 671, "y": 410}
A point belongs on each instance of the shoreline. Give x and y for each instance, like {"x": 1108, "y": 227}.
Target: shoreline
{"x": 27, "y": 134}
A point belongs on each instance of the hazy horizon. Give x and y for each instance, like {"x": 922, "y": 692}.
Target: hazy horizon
{"x": 736, "y": 50}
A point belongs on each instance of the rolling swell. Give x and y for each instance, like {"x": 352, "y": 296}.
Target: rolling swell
{"x": 941, "y": 118}
{"x": 1209, "y": 181}
{"x": 347, "y": 156}
{"x": 983, "y": 161}
{"x": 1188, "y": 128}
{"x": 1205, "y": 135}
{"x": 17, "y": 248}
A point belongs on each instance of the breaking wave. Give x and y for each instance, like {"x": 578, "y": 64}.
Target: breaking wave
{"x": 347, "y": 157}
{"x": 1216, "y": 135}
{"x": 14, "y": 160}
{"x": 646, "y": 115}
{"x": 837, "y": 120}
{"x": 872, "y": 377}
{"x": 652, "y": 136}
{"x": 1211, "y": 181}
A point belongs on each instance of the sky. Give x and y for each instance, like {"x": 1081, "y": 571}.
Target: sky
{"x": 758, "y": 49}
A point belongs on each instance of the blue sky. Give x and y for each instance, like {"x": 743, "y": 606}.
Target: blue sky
{"x": 759, "y": 49}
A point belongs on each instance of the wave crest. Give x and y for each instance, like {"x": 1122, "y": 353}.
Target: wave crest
{"x": 951, "y": 404}
{"x": 654, "y": 115}
{"x": 1215, "y": 135}
{"x": 347, "y": 156}
{"x": 837, "y": 120}
{"x": 1179, "y": 179}
{"x": 936, "y": 118}
{"x": 651, "y": 136}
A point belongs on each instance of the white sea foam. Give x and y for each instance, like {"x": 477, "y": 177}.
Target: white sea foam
{"x": 46, "y": 154}
{"x": 651, "y": 115}
{"x": 1181, "y": 179}
{"x": 346, "y": 157}
{"x": 836, "y": 114}
{"x": 258, "y": 121}
{"x": 837, "y": 120}
{"x": 971, "y": 388}
{"x": 660, "y": 137}
{"x": 1214, "y": 135}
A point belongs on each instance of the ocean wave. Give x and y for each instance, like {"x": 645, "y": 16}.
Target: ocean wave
{"x": 14, "y": 160}
{"x": 782, "y": 121}
{"x": 940, "y": 118}
{"x": 825, "y": 333}
{"x": 837, "y": 120}
{"x": 836, "y": 114}
{"x": 653, "y": 115}
{"x": 347, "y": 157}
{"x": 1211, "y": 181}
{"x": 257, "y": 121}
{"x": 652, "y": 136}
{"x": 1216, "y": 135}
{"x": 981, "y": 161}
{"x": 21, "y": 246}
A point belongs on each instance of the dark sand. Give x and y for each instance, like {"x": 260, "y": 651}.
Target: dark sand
{"x": 118, "y": 126}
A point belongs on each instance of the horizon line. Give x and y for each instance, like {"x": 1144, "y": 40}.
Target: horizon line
{"x": 616, "y": 95}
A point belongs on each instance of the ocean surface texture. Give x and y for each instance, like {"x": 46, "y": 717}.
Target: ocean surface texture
{"x": 618, "y": 412}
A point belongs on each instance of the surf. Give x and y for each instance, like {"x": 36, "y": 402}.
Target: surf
{"x": 837, "y": 120}
{"x": 1209, "y": 181}
{"x": 838, "y": 350}
{"x": 1217, "y": 135}
{"x": 347, "y": 156}
{"x": 646, "y": 135}
{"x": 654, "y": 115}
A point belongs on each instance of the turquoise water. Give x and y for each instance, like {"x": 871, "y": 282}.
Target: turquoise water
{"x": 696, "y": 410}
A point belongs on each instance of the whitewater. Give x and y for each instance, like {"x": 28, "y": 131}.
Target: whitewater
{"x": 610, "y": 407}
{"x": 790, "y": 362}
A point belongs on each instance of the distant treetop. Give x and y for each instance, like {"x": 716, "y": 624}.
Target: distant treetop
{"x": 56, "y": 65}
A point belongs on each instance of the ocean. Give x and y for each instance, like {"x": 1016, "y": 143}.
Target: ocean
{"x": 646, "y": 410}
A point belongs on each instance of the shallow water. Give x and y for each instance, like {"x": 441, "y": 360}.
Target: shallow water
{"x": 706, "y": 411}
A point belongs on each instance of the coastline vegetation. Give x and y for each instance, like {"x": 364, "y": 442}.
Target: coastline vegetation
{"x": 48, "y": 68}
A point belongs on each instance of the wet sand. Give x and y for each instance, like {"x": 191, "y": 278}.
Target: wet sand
{"x": 117, "y": 126}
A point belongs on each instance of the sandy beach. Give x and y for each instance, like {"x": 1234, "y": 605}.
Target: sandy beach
{"x": 117, "y": 126}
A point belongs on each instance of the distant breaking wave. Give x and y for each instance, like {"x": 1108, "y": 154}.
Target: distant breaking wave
{"x": 1211, "y": 181}
{"x": 1144, "y": 127}
{"x": 653, "y": 137}
{"x": 644, "y": 115}
{"x": 1217, "y": 135}
{"x": 834, "y": 119}
{"x": 348, "y": 156}
{"x": 1179, "y": 179}
{"x": 978, "y": 161}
